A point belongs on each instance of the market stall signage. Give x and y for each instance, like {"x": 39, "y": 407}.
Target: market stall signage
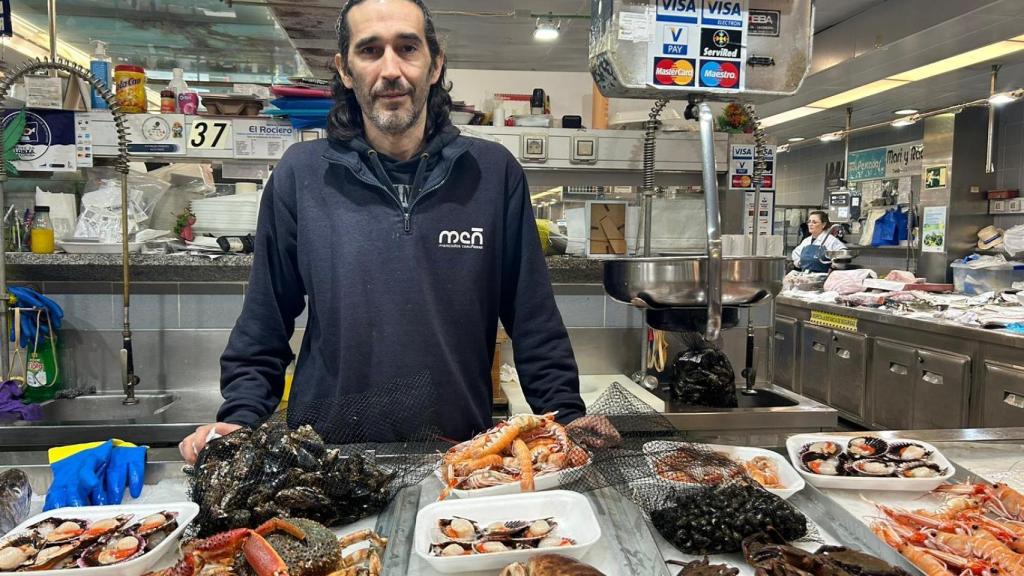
{"x": 698, "y": 44}
{"x": 830, "y": 320}
{"x": 886, "y": 162}
{"x": 260, "y": 139}
{"x": 741, "y": 167}
{"x": 156, "y": 134}
{"x": 765, "y": 222}
{"x": 48, "y": 142}
{"x": 935, "y": 177}
{"x": 210, "y": 135}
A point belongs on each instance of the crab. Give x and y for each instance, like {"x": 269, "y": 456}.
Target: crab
{"x": 769, "y": 554}
{"x": 221, "y": 549}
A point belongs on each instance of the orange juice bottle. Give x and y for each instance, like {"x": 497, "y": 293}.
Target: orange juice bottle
{"x": 41, "y": 236}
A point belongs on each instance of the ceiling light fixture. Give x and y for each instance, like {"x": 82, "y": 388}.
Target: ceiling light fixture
{"x": 547, "y": 29}
{"x": 906, "y": 111}
{"x": 797, "y": 139}
{"x": 831, "y": 136}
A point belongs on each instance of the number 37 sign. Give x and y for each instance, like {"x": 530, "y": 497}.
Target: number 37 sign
{"x": 210, "y": 135}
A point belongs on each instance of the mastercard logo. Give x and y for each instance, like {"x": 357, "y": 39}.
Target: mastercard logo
{"x": 673, "y": 72}
{"x": 719, "y": 74}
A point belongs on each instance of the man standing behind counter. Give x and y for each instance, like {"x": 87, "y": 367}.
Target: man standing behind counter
{"x": 409, "y": 241}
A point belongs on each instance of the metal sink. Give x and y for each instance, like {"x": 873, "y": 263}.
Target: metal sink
{"x": 107, "y": 408}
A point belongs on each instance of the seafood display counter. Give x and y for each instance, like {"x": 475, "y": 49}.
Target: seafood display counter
{"x": 985, "y": 484}
{"x": 890, "y": 372}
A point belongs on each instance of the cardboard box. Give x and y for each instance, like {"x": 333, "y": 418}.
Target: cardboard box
{"x": 607, "y": 228}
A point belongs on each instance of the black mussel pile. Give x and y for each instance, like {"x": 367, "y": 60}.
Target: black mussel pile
{"x": 703, "y": 376}
{"x": 59, "y": 543}
{"x": 248, "y": 477}
{"x": 716, "y": 519}
{"x": 869, "y": 456}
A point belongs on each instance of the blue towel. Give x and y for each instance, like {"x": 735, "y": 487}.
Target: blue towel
{"x": 303, "y": 103}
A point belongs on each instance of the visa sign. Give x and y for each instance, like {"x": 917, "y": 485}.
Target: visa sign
{"x": 683, "y": 11}
{"x": 722, "y": 13}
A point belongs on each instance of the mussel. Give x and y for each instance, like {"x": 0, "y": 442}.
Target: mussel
{"x": 908, "y": 451}
{"x": 825, "y": 465}
{"x": 866, "y": 467}
{"x": 867, "y": 447}
{"x": 822, "y": 447}
{"x": 920, "y": 469}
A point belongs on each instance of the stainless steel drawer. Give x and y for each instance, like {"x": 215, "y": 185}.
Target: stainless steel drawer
{"x": 848, "y": 373}
{"x": 1002, "y": 403}
{"x": 815, "y": 343}
{"x": 941, "y": 390}
{"x": 893, "y": 371}
{"x": 784, "y": 353}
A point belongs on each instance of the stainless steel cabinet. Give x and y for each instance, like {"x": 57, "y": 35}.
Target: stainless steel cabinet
{"x": 833, "y": 368}
{"x": 892, "y": 385}
{"x": 814, "y": 352}
{"x": 941, "y": 390}
{"x": 1002, "y": 395}
{"x": 784, "y": 353}
{"x": 918, "y": 389}
{"x": 848, "y": 373}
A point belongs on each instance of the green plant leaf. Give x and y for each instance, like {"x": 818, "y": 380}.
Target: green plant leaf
{"x": 14, "y": 130}
{"x": 11, "y": 170}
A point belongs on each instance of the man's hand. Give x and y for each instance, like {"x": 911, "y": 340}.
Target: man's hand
{"x": 194, "y": 443}
{"x": 594, "y": 431}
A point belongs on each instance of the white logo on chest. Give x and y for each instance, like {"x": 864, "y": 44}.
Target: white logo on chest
{"x": 474, "y": 239}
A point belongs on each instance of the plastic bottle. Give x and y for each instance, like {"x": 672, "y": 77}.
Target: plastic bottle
{"x": 99, "y": 65}
{"x": 168, "y": 102}
{"x": 178, "y": 86}
{"x": 42, "y": 231}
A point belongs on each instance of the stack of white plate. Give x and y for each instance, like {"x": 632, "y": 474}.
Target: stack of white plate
{"x": 226, "y": 215}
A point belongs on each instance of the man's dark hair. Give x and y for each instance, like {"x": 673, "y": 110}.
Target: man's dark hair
{"x": 346, "y": 118}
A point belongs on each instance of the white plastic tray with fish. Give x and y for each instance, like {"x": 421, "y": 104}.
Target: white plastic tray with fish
{"x": 795, "y": 443}
{"x": 571, "y": 510}
{"x": 187, "y": 511}
{"x": 540, "y": 482}
{"x": 788, "y": 477}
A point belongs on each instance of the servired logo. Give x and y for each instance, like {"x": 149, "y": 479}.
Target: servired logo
{"x": 673, "y": 72}
{"x": 714, "y": 74}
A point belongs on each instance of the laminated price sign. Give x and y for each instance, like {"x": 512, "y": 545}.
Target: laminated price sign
{"x": 210, "y": 135}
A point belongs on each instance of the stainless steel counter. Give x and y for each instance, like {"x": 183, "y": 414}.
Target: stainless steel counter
{"x": 937, "y": 326}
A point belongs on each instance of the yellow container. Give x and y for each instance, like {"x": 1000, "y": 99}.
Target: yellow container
{"x": 130, "y": 81}
{"x": 42, "y": 240}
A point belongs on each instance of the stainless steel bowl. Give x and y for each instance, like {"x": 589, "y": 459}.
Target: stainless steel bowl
{"x": 681, "y": 281}
{"x": 846, "y": 254}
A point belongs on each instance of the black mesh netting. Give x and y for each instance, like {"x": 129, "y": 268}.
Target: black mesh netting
{"x": 334, "y": 462}
{"x": 700, "y": 500}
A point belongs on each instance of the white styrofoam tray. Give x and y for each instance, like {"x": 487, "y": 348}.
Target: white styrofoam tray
{"x": 787, "y": 475}
{"x": 572, "y": 511}
{"x": 540, "y": 482}
{"x": 72, "y": 247}
{"x": 794, "y": 443}
{"x": 187, "y": 511}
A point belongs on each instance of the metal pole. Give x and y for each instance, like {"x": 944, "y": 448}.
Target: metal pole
{"x": 990, "y": 166}
{"x": 51, "y": 15}
{"x": 846, "y": 144}
{"x": 5, "y": 343}
{"x": 714, "y": 264}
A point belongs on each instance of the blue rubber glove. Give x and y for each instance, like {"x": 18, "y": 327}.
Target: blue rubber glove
{"x": 77, "y": 474}
{"x": 127, "y": 464}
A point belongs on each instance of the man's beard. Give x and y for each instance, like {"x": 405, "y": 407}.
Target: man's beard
{"x": 393, "y": 122}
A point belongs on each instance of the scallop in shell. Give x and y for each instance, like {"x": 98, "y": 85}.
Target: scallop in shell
{"x": 458, "y": 529}
{"x": 867, "y": 447}
{"x": 57, "y": 531}
{"x": 53, "y": 557}
{"x": 866, "y": 467}
{"x": 452, "y": 549}
{"x": 818, "y": 463}
{"x": 113, "y": 551}
{"x": 920, "y": 469}
{"x": 908, "y": 451}
{"x": 17, "y": 552}
{"x": 491, "y": 546}
{"x": 825, "y": 447}
{"x": 100, "y": 528}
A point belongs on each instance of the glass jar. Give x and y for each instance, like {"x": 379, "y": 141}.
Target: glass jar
{"x": 41, "y": 236}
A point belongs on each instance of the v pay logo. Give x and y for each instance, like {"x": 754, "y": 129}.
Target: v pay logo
{"x": 473, "y": 239}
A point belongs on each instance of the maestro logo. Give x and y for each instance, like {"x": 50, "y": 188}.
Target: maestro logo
{"x": 673, "y": 72}
{"x": 714, "y": 74}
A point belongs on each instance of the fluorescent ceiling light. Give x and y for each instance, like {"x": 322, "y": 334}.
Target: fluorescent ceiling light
{"x": 960, "y": 61}
{"x": 876, "y": 87}
{"x": 906, "y": 111}
{"x": 831, "y": 136}
{"x": 1003, "y": 98}
{"x": 796, "y": 139}
{"x": 547, "y": 29}
{"x": 789, "y": 115}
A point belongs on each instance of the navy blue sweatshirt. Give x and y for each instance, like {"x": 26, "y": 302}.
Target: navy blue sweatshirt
{"x": 404, "y": 277}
